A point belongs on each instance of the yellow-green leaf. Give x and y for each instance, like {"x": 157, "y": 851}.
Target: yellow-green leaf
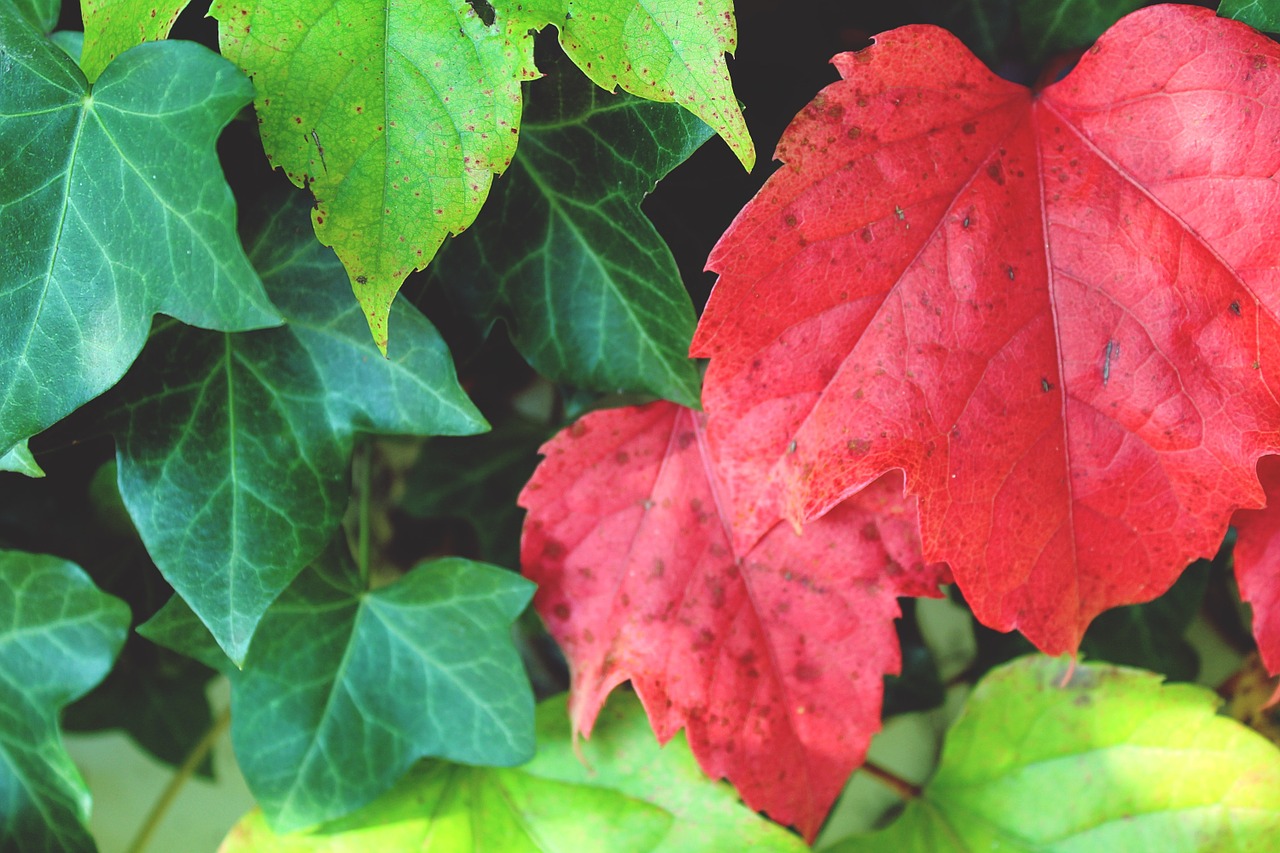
{"x": 396, "y": 115}
{"x": 113, "y": 26}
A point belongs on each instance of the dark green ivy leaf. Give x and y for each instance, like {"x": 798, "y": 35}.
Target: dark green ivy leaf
{"x": 1260, "y": 14}
{"x": 344, "y": 689}
{"x": 477, "y": 480}
{"x": 41, "y": 14}
{"x": 563, "y": 253}
{"x": 112, "y": 209}
{"x": 235, "y": 452}
{"x": 1052, "y": 26}
{"x": 58, "y": 637}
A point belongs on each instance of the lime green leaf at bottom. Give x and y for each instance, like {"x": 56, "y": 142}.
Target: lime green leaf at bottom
{"x": 617, "y": 793}
{"x": 1113, "y": 760}
{"x": 58, "y": 637}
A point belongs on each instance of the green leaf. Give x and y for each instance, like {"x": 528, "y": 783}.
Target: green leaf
{"x": 112, "y": 209}
{"x": 113, "y": 26}
{"x": 58, "y": 637}
{"x": 1260, "y": 14}
{"x": 1153, "y": 635}
{"x": 41, "y": 14}
{"x": 629, "y": 795}
{"x": 343, "y": 689}
{"x": 396, "y": 116}
{"x": 71, "y": 42}
{"x": 1113, "y": 760}
{"x": 235, "y": 451}
{"x": 477, "y": 479}
{"x": 624, "y": 755}
{"x": 175, "y": 626}
{"x": 1052, "y": 26}
{"x": 20, "y": 461}
{"x": 564, "y": 254}
{"x": 669, "y": 51}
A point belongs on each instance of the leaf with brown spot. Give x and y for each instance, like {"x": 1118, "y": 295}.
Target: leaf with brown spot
{"x": 773, "y": 662}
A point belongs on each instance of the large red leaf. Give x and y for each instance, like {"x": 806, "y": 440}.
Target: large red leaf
{"x": 1257, "y": 559}
{"x": 1055, "y": 311}
{"x": 774, "y": 662}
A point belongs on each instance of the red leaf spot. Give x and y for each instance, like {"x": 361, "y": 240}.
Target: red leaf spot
{"x": 807, "y": 673}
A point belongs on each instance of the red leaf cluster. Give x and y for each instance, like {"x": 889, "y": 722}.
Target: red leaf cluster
{"x": 1054, "y": 311}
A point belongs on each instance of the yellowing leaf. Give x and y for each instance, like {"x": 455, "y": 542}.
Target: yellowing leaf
{"x": 113, "y": 26}
{"x": 396, "y": 116}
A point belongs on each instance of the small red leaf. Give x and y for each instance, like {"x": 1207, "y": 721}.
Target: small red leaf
{"x": 1055, "y": 311}
{"x": 773, "y": 662}
{"x": 1257, "y": 560}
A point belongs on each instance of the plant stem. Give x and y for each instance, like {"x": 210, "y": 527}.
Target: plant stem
{"x": 180, "y": 777}
{"x": 363, "y": 469}
{"x": 892, "y": 781}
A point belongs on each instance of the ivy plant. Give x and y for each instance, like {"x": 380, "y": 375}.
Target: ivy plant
{"x": 345, "y": 363}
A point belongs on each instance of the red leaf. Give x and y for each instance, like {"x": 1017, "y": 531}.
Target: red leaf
{"x": 1257, "y": 559}
{"x": 774, "y": 662}
{"x": 1056, "y": 312}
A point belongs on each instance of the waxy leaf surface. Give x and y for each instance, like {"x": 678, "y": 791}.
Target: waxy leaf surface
{"x": 112, "y": 209}
{"x": 617, "y": 793}
{"x": 345, "y": 688}
{"x": 1056, "y": 312}
{"x": 1110, "y": 760}
{"x": 58, "y": 637}
{"x": 395, "y": 115}
{"x": 1257, "y": 562}
{"x": 1260, "y": 14}
{"x": 563, "y": 253}
{"x": 773, "y": 660}
{"x": 234, "y": 449}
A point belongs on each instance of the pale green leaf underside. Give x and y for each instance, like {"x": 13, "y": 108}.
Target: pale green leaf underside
{"x": 234, "y": 454}
{"x": 629, "y": 796}
{"x": 395, "y": 115}
{"x": 564, "y": 254}
{"x": 343, "y": 690}
{"x": 112, "y": 208}
{"x": 58, "y": 638}
{"x": 20, "y": 461}
{"x": 1260, "y": 14}
{"x": 1112, "y": 761}
{"x": 113, "y": 26}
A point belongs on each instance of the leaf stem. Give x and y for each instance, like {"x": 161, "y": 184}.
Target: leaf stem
{"x": 363, "y": 467}
{"x": 180, "y": 778}
{"x": 904, "y": 789}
